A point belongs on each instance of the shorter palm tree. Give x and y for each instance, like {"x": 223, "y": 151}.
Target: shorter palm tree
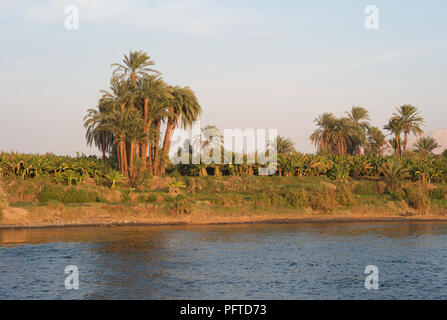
{"x": 425, "y": 146}
{"x": 394, "y": 173}
{"x": 283, "y": 145}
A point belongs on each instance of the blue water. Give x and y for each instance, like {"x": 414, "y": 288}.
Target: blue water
{"x": 306, "y": 261}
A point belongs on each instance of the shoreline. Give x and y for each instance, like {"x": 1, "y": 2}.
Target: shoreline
{"x": 223, "y": 221}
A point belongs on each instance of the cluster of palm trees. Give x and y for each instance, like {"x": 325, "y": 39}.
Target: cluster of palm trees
{"x": 135, "y": 119}
{"x": 405, "y": 121}
{"x": 354, "y": 135}
{"x": 351, "y": 134}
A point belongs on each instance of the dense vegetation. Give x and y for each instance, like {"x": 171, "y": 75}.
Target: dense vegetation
{"x": 133, "y": 124}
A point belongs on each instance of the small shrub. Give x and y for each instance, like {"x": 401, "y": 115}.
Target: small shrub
{"x": 366, "y": 188}
{"x": 183, "y": 207}
{"x": 344, "y": 195}
{"x": 72, "y": 195}
{"x": 141, "y": 198}
{"x": 436, "y": 194}
{"x": 57, "y": 193}
{"x": 323, "y": 199}
{"x": 418, "y": 200}
{"x": 180, "y": 197}
{"x": 51, "y": 192}
{"x": 125, "y": 196}
{"x": 152, "y": 198}
{"x": 297, "y": 199}
{"x": 169, "y": 199}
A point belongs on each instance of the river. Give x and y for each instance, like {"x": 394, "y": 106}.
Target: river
{"x": 266, "y": 261}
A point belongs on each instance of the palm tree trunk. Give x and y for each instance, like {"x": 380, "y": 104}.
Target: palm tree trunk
{"x": 167, "y": 139}
{"x": 143, "y": 146}
{"x": 124, "y": 157}
{"x": 167, "y": 142}
{"x": 149, "y": 164}
{"x": 405, "y": 142}
{"x": 103, "y": 147}
{"x": 398, "y": 150}
{"x": 132, "y": 159}
{"x": 156, "y": 148}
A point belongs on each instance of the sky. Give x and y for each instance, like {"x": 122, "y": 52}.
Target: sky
{"x": 252, "y": 63}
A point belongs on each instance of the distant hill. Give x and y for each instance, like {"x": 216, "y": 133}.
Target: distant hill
{"x": 439, "y": 135}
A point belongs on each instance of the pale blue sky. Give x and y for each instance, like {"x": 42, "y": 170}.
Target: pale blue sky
{"x": 252, "y": 64}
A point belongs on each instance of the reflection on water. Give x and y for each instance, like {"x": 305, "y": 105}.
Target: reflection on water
{"x": 319, "y": 261}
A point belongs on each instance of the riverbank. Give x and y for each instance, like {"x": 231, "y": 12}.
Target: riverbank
{"x": 217, "y": 200}
{"x": 146, "y": 215}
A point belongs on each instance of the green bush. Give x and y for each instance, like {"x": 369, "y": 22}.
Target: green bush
{"x": 297, "y": 199}
{"x": 169, "y": 199}
{"x": 436, "y": 194}
{"x": 53, "y": 192}
{"x": 418, "y": 199}
{"x": 125, "y": 196}
{"x": 366, "y": 188}
{"x": 344, "y": 195}
{"x": 152, "y": 198}
{"x": 323, "y": 199}
{"x": 180, "y": 197}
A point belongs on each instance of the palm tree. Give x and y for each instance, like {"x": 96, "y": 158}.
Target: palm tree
{"x": 426, "y": 145}
{"x": 337, "y": 136}
{"x": 134, "y": 66}
{"x": 396, "y": 126}
{"x": 411, "y": 122}
{"x": 210, "y": 139}
{"x": 135, "y": 134}
{"x": 184, "y": 108}
{"x": 360, "y": 122}
{"x": 394, "y": 172}
{"x": 152, "y": 90}
{"x": 282, "y": 145}
{"x": 375, "y": 141}
{"x": 102, "y": 139}
{"x": 322, "y": 136}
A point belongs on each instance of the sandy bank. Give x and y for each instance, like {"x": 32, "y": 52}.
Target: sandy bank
{"x": 116, "y": 215}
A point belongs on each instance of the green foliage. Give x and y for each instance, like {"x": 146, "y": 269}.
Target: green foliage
{"x": 152, "y": 198}
{"x": 324, "y": 199}
{"x": 125, "y": 196}
{"x": 168, "y": 199}
{"x": 437, "y": 194}
{"x": 418, "y": 199}
{"x": 366, "y": 188}
{"x": 344, "y": 195}
{"x": 62, "y": 169}
{"x": 52, "y": 192}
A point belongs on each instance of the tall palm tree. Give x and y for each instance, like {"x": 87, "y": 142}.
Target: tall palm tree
{"x": 152, "y": 90}
{"x": 322, "y": 136}
{"x": 396, "y": 126}
{"x": 184, "y": 108}
{"x": 119, "y": 93}
{"x": 360, "y": 121}
{"x": 411, "y": 122}
{"x": 426, "y": 145}
{"x": 134, "y": 66}
{"x": 135, "y": 134}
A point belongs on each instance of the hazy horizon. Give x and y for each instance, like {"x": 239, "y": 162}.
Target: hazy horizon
{"x": 256, "y": 64}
